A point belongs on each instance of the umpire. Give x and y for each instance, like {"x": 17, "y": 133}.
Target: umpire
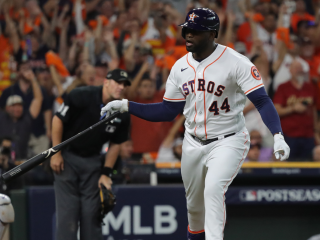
{"x": 78, "y": 169}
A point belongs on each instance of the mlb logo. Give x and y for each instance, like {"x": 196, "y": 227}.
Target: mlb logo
{"x": 111, "y": 129}
{"x": 248, "y": 196}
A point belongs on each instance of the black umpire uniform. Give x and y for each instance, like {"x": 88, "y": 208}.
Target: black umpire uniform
{"x": 76, "y": 187}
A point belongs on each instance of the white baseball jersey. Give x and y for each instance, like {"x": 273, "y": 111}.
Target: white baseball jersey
{"x": 214, "y": 90}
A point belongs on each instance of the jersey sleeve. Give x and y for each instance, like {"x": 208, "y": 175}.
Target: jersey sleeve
{"x": 247, "y": 76}
{"x": 173, "y": 92}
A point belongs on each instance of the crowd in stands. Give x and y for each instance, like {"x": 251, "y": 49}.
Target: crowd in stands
{"x": 49, "y": 47}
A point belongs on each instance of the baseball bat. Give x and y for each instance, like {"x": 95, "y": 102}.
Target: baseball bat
{"x": 40, "y": 158}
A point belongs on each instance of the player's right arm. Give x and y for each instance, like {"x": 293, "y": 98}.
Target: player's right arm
{"x": 172, "y": 104}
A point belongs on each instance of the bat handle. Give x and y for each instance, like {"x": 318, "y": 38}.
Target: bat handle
{"x": 27, "y": 165}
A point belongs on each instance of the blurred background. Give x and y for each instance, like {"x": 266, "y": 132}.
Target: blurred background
{"x": 72, "y": 43}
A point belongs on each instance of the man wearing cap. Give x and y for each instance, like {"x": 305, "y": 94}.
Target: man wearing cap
{"x": 78, "y": 169}
{"x": 23, "y": 87}
{"x": 15, "y": 122}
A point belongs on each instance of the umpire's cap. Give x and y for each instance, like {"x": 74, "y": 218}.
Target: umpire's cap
{"x": 201, "y": 19}
{"x": 119, "y": 75}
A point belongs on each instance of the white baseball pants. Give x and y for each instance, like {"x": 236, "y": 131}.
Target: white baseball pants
{"x": 207, "y": 171}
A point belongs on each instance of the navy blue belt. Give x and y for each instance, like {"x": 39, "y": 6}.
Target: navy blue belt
{"x": 205, "y": 142}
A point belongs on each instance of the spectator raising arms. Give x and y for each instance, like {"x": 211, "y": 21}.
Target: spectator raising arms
{"x": 75, "y": 43}
{"x": 39, "y": 141}
{"x": 146, "y": 136}
{"x": 288, "y": 50}
{"x": 15, "y": 122}
{"x": 300, "y": 14}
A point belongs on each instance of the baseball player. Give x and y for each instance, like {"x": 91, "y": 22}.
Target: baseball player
{"x": 210, "y": 84}
{"x": 7, "y": 214}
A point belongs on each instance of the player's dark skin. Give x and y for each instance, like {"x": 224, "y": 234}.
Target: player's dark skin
{"x": 200, "y": 43}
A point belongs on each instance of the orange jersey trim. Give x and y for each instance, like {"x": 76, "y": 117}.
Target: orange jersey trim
{"x": 224, "y": 213}
{"x": 253, "y": 88}
{"x": 215, "y": 60}
{"x": 195, "y": 75}
{"x": 205, "y": 114}
{"x": 195, "y": 232}
{"x": 195, "y": 90}
{"x": 195, "y": 108}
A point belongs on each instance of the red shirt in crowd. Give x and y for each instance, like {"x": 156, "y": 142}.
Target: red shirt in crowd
{"x": 297, "y": 124}
{"x": 148, "y": 136}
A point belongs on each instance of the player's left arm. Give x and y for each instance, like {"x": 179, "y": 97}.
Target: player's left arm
{"x": 268, "y": 112}
{"x": 271, "y": 119}
{"x": 250, "y": 81}
{"x": 172, "y": 104}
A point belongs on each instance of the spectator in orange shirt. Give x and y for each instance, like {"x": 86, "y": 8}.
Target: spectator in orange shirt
{"x": 244, "y": 35}
{"x": 299, "y": 15}
{"x": 311, "y": 30}
{"x": 302, "y": 28}
{"x": 146, "y": 136}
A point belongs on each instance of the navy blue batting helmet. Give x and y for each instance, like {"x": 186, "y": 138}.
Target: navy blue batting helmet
{"x": 201, "y": 19}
